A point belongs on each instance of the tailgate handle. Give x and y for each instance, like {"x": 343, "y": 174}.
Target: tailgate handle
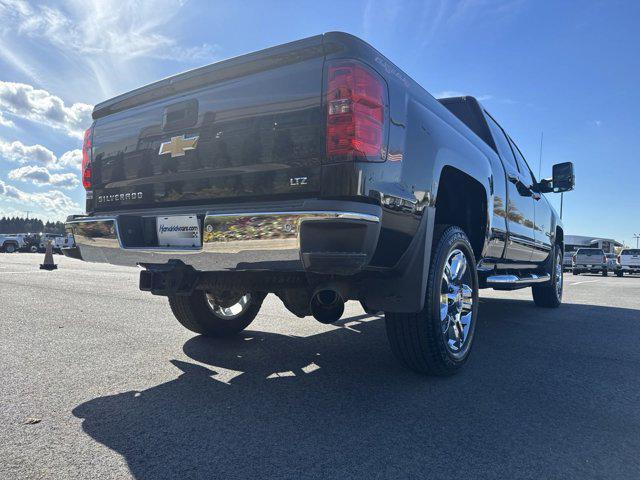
{"x": 180, "y": 115}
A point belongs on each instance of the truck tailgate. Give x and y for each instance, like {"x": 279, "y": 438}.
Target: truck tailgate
{"x": 590, "y": 257}
{"x": 630, "y": 258}
{"x": 245, "y": 128}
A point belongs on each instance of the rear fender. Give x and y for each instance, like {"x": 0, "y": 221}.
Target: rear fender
{"x": 431, "y": 146}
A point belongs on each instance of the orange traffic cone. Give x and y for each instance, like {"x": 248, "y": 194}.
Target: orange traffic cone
{"x": 48, "y": 259}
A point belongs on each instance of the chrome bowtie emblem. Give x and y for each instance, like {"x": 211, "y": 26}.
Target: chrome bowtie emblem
{"x": 178, "y": 145}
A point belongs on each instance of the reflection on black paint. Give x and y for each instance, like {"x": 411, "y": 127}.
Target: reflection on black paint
{"x": 255, "y": 133}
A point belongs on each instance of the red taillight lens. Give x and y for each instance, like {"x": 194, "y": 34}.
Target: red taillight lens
{"x": 356, "y": 112}
{"x": 86, "y": 160}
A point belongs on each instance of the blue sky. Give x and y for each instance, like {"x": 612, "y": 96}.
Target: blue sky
{"x": 570, "y": 69}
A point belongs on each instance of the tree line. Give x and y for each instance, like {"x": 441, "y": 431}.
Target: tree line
{"x": 29, "y": 225}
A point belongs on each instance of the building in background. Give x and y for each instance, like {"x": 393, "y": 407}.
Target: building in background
{"x": 574, "y": 242}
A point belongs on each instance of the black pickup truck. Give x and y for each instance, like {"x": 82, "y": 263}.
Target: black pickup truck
{"x": 320, "y": 172}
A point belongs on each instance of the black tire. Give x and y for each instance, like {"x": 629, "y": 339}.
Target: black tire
{"x": 605, "y": 273}
{"x": 369, "y": 311}
{"x": 195, "y": 313}
{"x": 417, "y": 339}
{"x": 549, "y": 294}
{"x": 619, "y": 273}
{"x": 10, "y": 247}
{"x": 576, "y": 272}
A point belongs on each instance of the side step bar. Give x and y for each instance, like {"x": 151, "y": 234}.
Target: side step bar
{"x": 506, "y": 280}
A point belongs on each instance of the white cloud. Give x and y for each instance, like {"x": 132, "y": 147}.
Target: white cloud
{"x": 122, "y": 28}
{"x": 449, "y": 93}
{"x": 53, "y": 200}
{"x": 101, "y": 47}
{"x": 41, "y": 176}
{"x": 5, "y": 122}
{"x": 41, "y": 106}
{"x": 18, "y": 152}
{"x": 71, "y": 159}
{"x": 434, "y": 23}
{"x": 455, "y": 93}
{"x": 442, "y": 19}
{"x": 11, "y": 212}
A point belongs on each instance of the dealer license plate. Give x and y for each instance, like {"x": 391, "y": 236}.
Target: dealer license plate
{"x": 178, "y": 231}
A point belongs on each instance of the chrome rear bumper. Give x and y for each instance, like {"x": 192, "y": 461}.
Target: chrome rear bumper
{"x": 324, "y": 241}
{"x": 629, "y": 268}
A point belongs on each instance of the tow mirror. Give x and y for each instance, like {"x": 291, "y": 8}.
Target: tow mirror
{"x": 563, "y": 177}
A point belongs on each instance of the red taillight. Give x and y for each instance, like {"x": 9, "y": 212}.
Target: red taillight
{"x": 86, "y": 160}
{"x": 356, "y": 103}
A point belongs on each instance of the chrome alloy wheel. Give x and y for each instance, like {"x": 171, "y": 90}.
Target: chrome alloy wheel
{"x": 228, "y": 312}
{"x": 559, "y": 279}
{"x": 456, "y": 303}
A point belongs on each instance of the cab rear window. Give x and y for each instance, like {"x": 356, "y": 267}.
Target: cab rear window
{"x": 632, "y": 251}
{"x": 590, "y": 251}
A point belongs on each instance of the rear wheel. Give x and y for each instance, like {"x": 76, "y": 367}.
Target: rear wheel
{"x": 605, "y": 273}
{"x": 549, "y": 294}
{"x": 10, "y": 247}
{"x": 619, "y": 273}
{"x": 205, "y": 313}
{"x": 368, "y": 310}
{"x": 438, "y": 339}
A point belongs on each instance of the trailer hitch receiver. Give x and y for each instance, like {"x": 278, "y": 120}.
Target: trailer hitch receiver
{"x": 171, "y": 278}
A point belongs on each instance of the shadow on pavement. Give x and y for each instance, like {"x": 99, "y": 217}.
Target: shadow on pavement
{"x": 547, "y": 394}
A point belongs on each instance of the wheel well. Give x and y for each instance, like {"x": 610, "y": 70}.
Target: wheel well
{"x": 467, "y": 211}
{"x": 560, "y": 237}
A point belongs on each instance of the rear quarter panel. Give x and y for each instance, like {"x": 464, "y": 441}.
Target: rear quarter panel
{"x": 424, "y": 138}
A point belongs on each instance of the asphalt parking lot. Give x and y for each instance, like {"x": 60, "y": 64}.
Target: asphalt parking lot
{"x": 121, "y": 390}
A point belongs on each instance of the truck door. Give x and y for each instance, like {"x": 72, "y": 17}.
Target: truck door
{"x": 520, "y": 208}
{"x": 543, "y": 223}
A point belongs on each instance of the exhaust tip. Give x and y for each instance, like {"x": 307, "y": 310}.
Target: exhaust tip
{"x": 327, "y": 306}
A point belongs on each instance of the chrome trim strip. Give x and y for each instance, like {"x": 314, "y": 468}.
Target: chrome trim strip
{"x": 522, "y": 240}
{"x": 259, "y": 231}
{"x": 302, "y": 213}
{"x": 515, "y": 280}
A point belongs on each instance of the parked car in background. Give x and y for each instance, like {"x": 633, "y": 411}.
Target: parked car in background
{"x": 567, "y": 260}
{"x": 67, "y": 242}
{"x": 612, "y": 262}
{"x": 591, "y": 260}
{"x": 58, "y": 242}
{"x": 32, "y": 243}
{"x": 10, "y": 243}
{"x": 629, "y": 261}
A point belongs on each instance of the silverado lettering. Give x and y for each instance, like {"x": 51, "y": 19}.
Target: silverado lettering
{"x": 119, "y": 197}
